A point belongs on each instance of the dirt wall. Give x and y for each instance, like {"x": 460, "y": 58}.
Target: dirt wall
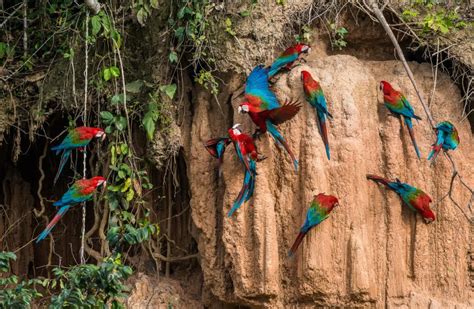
{"x": 372, "y": 251}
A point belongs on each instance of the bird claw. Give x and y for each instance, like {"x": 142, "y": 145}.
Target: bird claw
{"x": 256, "y": 135}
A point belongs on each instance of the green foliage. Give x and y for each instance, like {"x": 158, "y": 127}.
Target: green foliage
{"x": 339, "y": 35}
{"x": 143, "y": 9}
{"x": 304, "y": 36}
{"x": 206, "y": 79}
{"x": 433, "y": 18}
{"x": 16, "y": 293}
{"x": 228, "y": 27}
{"x": 92, "y": 286}
{"x": 109, "y": 72}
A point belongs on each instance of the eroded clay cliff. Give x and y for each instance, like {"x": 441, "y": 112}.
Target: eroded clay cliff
{"x": 372, "y": 251}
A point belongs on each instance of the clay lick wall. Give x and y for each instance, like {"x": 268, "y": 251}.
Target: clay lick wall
{"x": 372, "y": 251}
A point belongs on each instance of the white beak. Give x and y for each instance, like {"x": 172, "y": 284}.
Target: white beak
{"x": 235, "y": 126}
{"x": 240, "y": 109}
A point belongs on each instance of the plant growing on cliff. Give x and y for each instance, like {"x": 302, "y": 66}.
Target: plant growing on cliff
{"x": 16, "y": 293}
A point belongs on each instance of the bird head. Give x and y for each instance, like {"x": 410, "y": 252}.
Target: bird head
{"x": 99, "y": 180}
{"x": 100, "y": 134}
{"x": 303, "y": 48}
{"x": 385, "y": 87}
{"x": 235, "y": 129}
{"x": 329, "y": 201}
{"x": 305, "y": 75}
{"x": 429, "y": 216}
{"x": 244, "y": 108}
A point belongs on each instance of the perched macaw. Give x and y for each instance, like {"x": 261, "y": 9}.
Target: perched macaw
{"x": 248, "y": 155}
{"x": 399, "y": 105}
{"x": 286, "y": 59}
{"x": 318, "y": 211}
{"x": 315, "y": 97}
{"x": 77, "y": 138}
{"x": 81, "y": 191}
{"x": 216, "y": 147}
{"x": 447, "y": 138}
{"x": 414, "y": 198}
{"x": 264, "y": 110}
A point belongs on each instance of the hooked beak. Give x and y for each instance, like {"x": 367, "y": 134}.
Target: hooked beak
{"x": 428, "y": 220}
{"x": 235, "y": 126}
{"x": 240, "y": 109}
{"x": 102, "y": 139}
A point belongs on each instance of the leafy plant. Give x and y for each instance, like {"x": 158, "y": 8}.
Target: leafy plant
{"x": 92, "y": 286}
{"x": 340, "y": 33}
{"x": 206, "y": 79}
{"x": 16, "y": 293}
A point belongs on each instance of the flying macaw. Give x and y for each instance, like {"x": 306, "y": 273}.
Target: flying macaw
{"x": 315, "y": 97}
{"x": 399, "y": 105}
{"x": 318, "y": 211}
{"x": 447, "y": 138}
{"x": 286, "y": 59}
{"x": 77, "y": 138}
{"x": 81, "y": 191}
{"x": 216, "y": 147}
{"x": 414, "y": 198}
{"x": 248, "y": 155}
{"x": 263, "y": 108}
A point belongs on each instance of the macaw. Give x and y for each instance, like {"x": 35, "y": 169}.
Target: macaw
{"x": 263, "y": 108}
{"x": 315, "y": 96}
{"x": 77, "y": 138}
{"x": 216, "y": 147}
{"x": 399, "y": 105}
{"x": 447, "y": 138}
{"x": 248, "y": 155}
{"x": 412, "y": 197}
{"x": 318, "y": 211}
{"x": 286, "y": 59}
{"x": 81, "y": 191}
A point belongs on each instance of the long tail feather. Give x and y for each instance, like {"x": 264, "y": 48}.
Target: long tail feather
{"x": 281, "y": 141}
{"x": 378, "y": 179}
{"x": 296, "y": 244}
{"x": 53, "y": 222}
{"x": 324, "y": 133}
{"x": 434, "y": 152}
{"x": 64, "y": 157}
{"x": 412, "y": 135}
{"x": 247, "y": 189}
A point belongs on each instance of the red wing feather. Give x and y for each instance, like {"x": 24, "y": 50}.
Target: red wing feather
{"x": 284, "y": 113}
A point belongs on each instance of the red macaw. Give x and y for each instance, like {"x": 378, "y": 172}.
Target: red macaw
{"x": 286, "y": 60}
{"x": 263, "y": 108}
{"x": 82, "y": 190}
{"x": 77, "y": 138}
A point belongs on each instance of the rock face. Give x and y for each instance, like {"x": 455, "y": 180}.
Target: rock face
{"x": 372, "y": 252}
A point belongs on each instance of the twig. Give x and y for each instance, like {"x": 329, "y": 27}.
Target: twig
{"x": 40, "y": 182}
{"x": 435, "y": 76}
{"x": 169, "y": 259}
{"x": 25, "y": 28}
{"x": 84, "y": 117}
{"x": 12, "y": 13}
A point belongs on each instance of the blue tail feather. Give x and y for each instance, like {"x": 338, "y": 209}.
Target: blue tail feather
{"x": 64, "y": 158}
{"x": 53, "y": 222}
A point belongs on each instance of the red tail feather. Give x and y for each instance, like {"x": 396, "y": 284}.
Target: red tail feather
{"x": 296, "y": 244}
{"x": 378, "y": 179}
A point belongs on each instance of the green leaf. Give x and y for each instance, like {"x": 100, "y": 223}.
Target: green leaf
{"x": 141, "y": 16}
{"x": 154, "y": 4}
{"x": 149, "y": 125}
{"x": 120, "y": 123}
{"x": 106, "y": 74}
{"x": 106, "y": 116}
{"x": 130, "y": 194}
{"x": 245, "y": 13}
{"x": 173, "y": 57}
{"x": 134, "y": 87}
{"x": 169, "y": 90}
{"x": 96, "y": 25}
{"x": 117, "y": 99}
{"x": 114, "y": 71}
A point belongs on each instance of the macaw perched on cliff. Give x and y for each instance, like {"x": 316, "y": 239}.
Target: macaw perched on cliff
{"x": 315, "y": 96}
{"x": 81, "y": 191}
{"x": 318, "y": 211}
{"x": 77, "y": 138}
{"x": 264, "y": 110}
{"x": 216, "y": 147}
{"x": 399, "y": 105}
{"x": 286, "y": 60}
{"x": 447, "y": 138}
{"x": 414, "y": 198}
{"x": 248, "y": 155}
